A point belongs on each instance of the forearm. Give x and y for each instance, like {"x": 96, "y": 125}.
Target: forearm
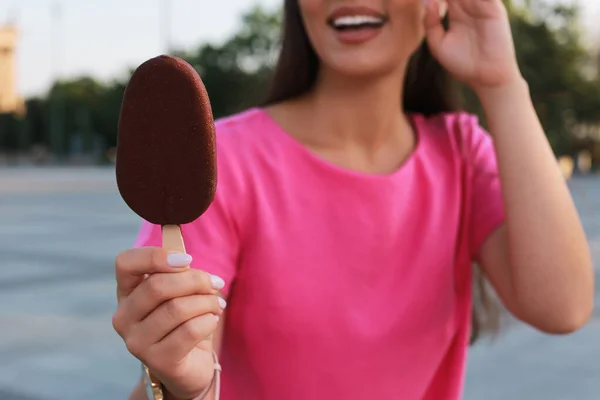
{"x": 549, "y": 259}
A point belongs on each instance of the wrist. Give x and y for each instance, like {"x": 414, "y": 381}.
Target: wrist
{"x": 169, "y": 396}
{"x": 513, "y": 90}
{"x": 502, "y": 101}
{"x": 206, "y": 393}
{"x": 200, "y": 396}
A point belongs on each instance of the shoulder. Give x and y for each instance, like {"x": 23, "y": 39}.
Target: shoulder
{"x": 238, "y": 136}
{"x": 456, "y": 132}
{"x": 453, "y": 126}
{"x": 245, "y": 136}
{"x": 239, "y": 122}
{"x": 239, "y": 129}
{"x": 243, "y": 140}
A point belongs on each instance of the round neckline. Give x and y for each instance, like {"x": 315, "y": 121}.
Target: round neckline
{"x": 414, "y": 121}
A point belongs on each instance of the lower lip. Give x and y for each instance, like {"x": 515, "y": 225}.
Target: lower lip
{"x": 357, "y": 36}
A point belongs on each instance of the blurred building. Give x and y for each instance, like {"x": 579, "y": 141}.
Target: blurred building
{"x": 10, "y": 101}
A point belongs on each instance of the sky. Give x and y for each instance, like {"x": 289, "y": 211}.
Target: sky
{"x": 103, "y": 38}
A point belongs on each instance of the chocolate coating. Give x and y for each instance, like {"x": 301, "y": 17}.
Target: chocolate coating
{"x": 166, "y": 156}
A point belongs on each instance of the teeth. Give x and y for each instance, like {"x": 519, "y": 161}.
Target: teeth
{"x": 356, "y": 20}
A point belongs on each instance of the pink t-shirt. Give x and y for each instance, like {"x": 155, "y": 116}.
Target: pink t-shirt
{"x": 341, "y": 284}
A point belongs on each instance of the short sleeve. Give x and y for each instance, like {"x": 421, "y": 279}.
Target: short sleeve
{"x": 212, "y": 240}
{"x": 487, "y": 210}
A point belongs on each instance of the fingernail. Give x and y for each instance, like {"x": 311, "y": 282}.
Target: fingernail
{"x": 179, "y": 260}
{"x": 217, "y": 318}
{"x": 222, "y": 303}
{"x": 217, "y": 283}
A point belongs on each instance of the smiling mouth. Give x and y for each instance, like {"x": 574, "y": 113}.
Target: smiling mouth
{"x": 356, "y": 22}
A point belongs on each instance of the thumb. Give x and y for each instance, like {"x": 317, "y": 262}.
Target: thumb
{"x": 133, "y": 265}
{"x": 434, "y": 30}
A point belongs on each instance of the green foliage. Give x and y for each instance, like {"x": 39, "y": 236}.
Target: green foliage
{"x": 553, "y": 61}
{"x": 564, "y": 88}
{"x": 10, "y": 126}
{"x": 236, "y": 72}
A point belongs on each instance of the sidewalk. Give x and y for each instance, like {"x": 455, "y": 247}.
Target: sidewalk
{"x": 57, "y": 296}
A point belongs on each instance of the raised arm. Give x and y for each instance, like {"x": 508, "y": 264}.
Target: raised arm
{"x": 539, "y": 261}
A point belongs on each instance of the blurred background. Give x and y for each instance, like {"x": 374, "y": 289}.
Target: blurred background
{"x": 63, "y": 67}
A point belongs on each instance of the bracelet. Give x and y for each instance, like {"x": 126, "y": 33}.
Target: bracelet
{"x": 216, "y": 381}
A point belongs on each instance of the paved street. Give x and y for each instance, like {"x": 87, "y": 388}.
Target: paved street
{"x": 59, "y": 232}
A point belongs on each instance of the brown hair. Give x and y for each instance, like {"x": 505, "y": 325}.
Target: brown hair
{"x": 428, "y": 90}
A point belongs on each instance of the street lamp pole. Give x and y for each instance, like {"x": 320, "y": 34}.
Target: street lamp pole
{"x": 57, "y": 125}
{"x": 165, "y": 21}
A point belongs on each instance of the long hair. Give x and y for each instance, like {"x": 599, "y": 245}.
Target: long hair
{"x": 428, "y": 90}
{"x": 428, "y": 87}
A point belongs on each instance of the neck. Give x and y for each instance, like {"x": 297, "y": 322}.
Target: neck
{"x": 366, "y": 112}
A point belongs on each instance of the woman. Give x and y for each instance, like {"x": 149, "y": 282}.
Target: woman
{"x": 349, "y": 210}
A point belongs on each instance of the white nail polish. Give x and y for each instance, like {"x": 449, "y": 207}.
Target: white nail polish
{"x": 179, "y": 260}
{"x": 222, "y": 303}
{"x": 443, "y": 5}
{"x": 217, "y": 283}
{"x": 217, "y": 318}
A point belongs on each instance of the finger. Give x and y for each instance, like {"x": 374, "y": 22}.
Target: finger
{"x": 185, "y": 338}
{"x": 173, "y": 313}
{"x": 160, "y": 288}
{"x": 131, "y": 266}
{"x": 434, "y": 30}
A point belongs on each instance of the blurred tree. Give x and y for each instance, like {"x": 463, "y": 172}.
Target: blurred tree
{"x": 85, "y": 107}
{"x": 552, "y": 59}
{"x": 235, "y": 73}
{"x": 105, "y": 112}
{"x": 548, "y": 43}
{"x": 37, "y": 121}
{"x": 10, "y": 128}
